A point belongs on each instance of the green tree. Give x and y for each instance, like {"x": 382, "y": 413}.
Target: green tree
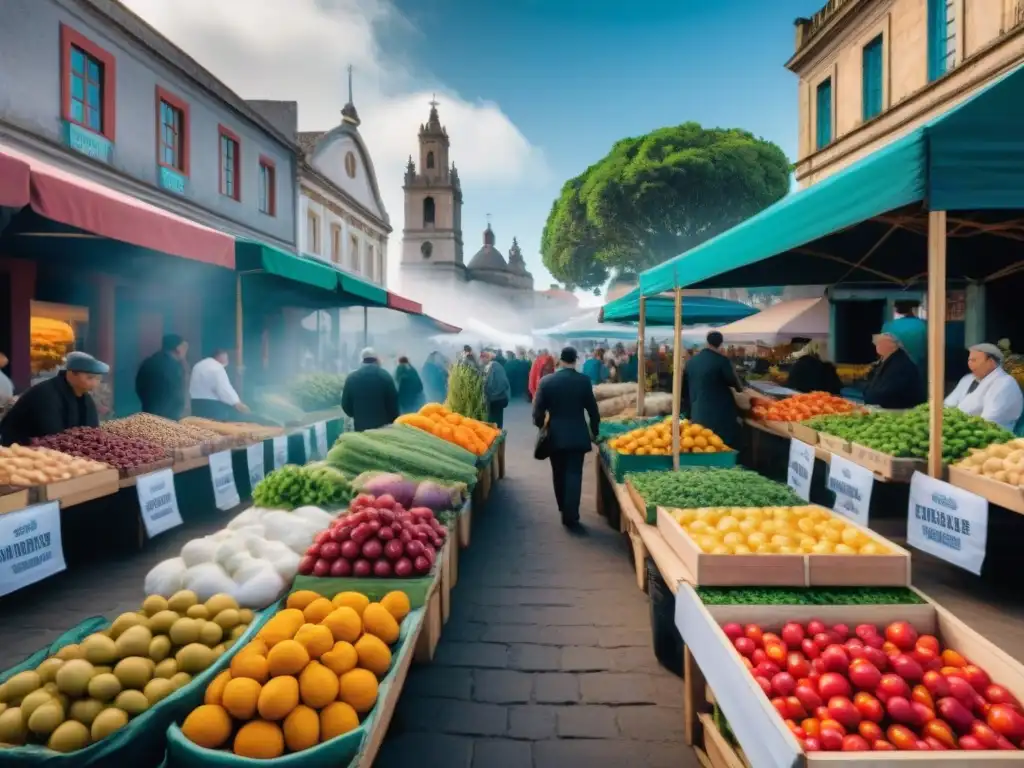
{"x": 656, "y": 196}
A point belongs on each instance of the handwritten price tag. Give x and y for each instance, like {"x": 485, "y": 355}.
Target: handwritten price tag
{"x": 225, "y": 493}
{"x": 31, "y": 548}
{"x": 254, "y": 458}
{"x": 801, "y": 468}
{"x": 280, "y": 451}
{"x": 158, "y": 503}
{"x": 320, "y": 430}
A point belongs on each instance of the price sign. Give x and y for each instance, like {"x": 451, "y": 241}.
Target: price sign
{"x": 280, "y": 451}
{"x": 158, "y": 502}
{"x": 320, "y": 430}
{"x": 947, "y": 522}
{"x": 852, "y": 484}
{"x": 225, "y": 493}
{"x": 254, "y": 458}
{"x": 30, "y": 546}
{"x": 307, "y": 443}
{"x": 801, "y": 468}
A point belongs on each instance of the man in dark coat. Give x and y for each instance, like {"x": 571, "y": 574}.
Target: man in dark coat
{"x": 160, "y": 382}
{"x": 565, "y": 401}
{"x": 708, "y": 383}
{"x": 57, "y": 404}
{"x": 812, "y": 374}
{"x": 896, "y": 381}
{"x": 370, "y": 396}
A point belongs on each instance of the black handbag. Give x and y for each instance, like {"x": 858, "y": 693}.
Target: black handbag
{"x": 542, "y": 448}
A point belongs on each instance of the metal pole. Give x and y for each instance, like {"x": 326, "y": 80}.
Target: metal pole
{"x": 239, "y": 334}
{"x": 366, "y": 328}
{"x": 641, "y": 364}
{"x": 936, "y": 337}
{"x": 677, "y": 379}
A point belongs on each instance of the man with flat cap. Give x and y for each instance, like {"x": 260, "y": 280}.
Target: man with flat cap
{"x": 160, "y": 382}
{"x": 988, "y": 391}
{"x": 896, "y": 381}
{"x": 57, "y": 404}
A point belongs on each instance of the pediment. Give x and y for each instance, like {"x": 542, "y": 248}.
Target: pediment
{"x": 342, "y": 158}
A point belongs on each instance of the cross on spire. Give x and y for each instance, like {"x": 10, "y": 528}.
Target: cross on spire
{"x": 433, "y": 101}
{"x": 488, "y": 219}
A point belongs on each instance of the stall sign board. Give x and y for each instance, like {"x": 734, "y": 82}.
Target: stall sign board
{"x": 947, "y": 522}
{"x": 225, "y": 492}
{"x": 280, "y": 451}
{"x": 852, "y": 484}
{"x": 254, "y": 458}
{"x": 320, "y": 430}
{"x": 801, "y": 468}
{"x": 30, "y": 546}
{"x": 307, "y": 443}
{"x": 158, "y": 503}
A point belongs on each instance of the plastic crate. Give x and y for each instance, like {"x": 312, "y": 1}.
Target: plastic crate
{"x": 622, "y": 464}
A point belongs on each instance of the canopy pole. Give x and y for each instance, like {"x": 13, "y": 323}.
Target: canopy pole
{"x": 641, "y": 364}
{"x": 677, "y": 379}
{"x": 239, "y": 333}
{"x": 936, "y": 337}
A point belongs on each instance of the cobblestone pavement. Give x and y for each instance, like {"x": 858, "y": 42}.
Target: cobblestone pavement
{"x": 546, "y": 659}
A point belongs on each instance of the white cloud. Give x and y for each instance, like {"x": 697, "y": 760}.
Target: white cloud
{"x": 298, "y": 50}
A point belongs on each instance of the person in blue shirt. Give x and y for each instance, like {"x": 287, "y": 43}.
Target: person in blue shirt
{"x": 594, "y": 368}
{"x": 912, "y": 333}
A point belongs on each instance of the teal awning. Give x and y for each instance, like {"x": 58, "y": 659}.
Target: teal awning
{"x": 968, "y": 159}
{"x": 660, "y": 310}
{"x": 354, "y": 285}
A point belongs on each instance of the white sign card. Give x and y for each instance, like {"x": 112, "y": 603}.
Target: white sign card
{"x": 158, "y": 503}
{"x": 801, "y": 468}
{"x": 31, "y": 548}
{"x": 254, "y": 458}
{"x": 307, "y": 443}
{"x": 225, "y": 492}
{"x": 947, "y": 522}
{"x": 280, "y": 451}
{"x": 320, "y": 430}
{"x": 852, "y": 484}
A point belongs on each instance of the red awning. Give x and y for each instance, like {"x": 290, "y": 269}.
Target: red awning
{"x": 14, "y": 182}
{"x": 403, "y": 304}
{"x": 78, "y": 202}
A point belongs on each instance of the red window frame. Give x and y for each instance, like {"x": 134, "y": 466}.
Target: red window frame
{"x": 223, "y": 132}
{"x": 185, "y": 132}
{"x": 70, "y": 38}
{"x": 271, "y": 168}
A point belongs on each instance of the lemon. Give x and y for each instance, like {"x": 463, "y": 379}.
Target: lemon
{"x": 845, "y": 549}
{"x": 768, "y": 527}
{"x": 741, "y": 549}
{"x": 756, "y": 539}
{"x": 852, "y": 537}
{"x": 805, "y": 524}
{"x": 871, "y": 548}
{"x": 728, "y": 523}
{"x": 822, "y": 548}
{"x": 733, "y": 538}
{"x": 699, "y": 526}
{"x": 833, "y": 535}
{"x": 721, "y": 549}
{"x": 747, "y": 527}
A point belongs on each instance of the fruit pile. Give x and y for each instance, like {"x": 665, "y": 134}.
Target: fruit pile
{"x": 310, "y": 675}
{"x": 800, "y": 407}
{"x": 905, "y": 435}
{"x": 700, "y": 488}
{"x": 26, "y": 467}
{"x": 124, "y": 453}
{"x": 1002, "y": 462}
{"x": 875, "y": 689}
{"x": 656, "y": 440}
{"x": 807, "y": 530}
{"x": 89, "y": 690}
{"x": 377, "y": 537}
{"x": 316, "y": 485}
{"x": 433, "y": 418}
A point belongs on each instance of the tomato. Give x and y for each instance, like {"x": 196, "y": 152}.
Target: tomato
{"x": 941, "y": 732}
{"x": 902, "y": 738}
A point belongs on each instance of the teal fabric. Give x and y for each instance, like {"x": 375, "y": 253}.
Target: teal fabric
{"x": 937, "y": 33}
{"x": 872, "y": 72}
{"x": 660, "y": 310}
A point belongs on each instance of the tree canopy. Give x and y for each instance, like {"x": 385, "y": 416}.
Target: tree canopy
{"x": 656, "y": 196}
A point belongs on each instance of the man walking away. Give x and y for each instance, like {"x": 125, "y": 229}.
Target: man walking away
{"x": 496, "y": 390}
{"x": 708, "y": 383}
{"x": 160, "y": 382}
{"x": 565, "y": 401}
{"x": 370, "y": 397}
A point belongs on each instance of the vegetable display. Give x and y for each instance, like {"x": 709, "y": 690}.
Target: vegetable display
{"x": 310, "y": 675}
{"x": 25, "y": 467}
{"x": 809, "y": 596}
{"x": 805, "y": 530}
{"x": 613, "y": 427}
{"x": 705, "y": 487}
{"x": 466, "y": 392}
{"x": 254, "y": 559}
{"x": 412, "y": 493}
{"x": 124, "y": 453}
{"x": 89, "y": 690}
{"x": 160, "y": 431}
{"x": 470, "y": 434}
{"x": 656, "y": 440}
{"x": 800, "y": 407}
{"x": 378, "y": 537}
{"x": 905, "y": 435}
{"x": 316, "y": 484}
{"x": 404, "y": 450}
{"x": 877, "y": 689}
{"x": 1003, "y": 462}
{"x": 318, "y": 391}
{"x": 243, "y": 430}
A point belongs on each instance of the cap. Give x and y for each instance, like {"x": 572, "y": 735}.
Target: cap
{"x": 988, "y": 349}
{"x": 368, "y": 353}
{"x": 568, "y": 355}
{"x": 80, "y": 362}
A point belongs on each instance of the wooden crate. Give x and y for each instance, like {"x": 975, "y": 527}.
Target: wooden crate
{"x": 884, "y": 465}
{"x": 888, "y": 570}
{"x": 1005, "y": 495}
{"x": 803, "y": 433}
{"x": 13, "y": 499}
{"x": 193, "y": 451}
{"x": 834, "y": 445}
{"x": 464, "y": 527}
{"x": 79, "y": 490}
{"x": 764, "y": 739}
{"x": 127, "y": 476}
{"x": 189, "y": 464}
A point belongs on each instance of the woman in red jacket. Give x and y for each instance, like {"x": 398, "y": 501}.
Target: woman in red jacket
{"x": 542, "y": 366}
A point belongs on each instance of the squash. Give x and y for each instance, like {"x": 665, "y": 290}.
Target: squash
{"x": 316, "y": 638}
{"x": 397, "y": 604}
{"x": 240, "y": 697}
{"x": 344, "y": 623}
{"x": 357, "y": 601}
{"x": 251, "y": 665}
{"x": 373, "y": 655}
{"x": 215, "y": 690}
{"x": 341, "y": 658}
{"x": 288, "y": 657}
{"x": 316, "y": 612}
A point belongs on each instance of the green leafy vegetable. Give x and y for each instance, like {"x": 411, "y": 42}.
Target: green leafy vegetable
{"x": 711, "y": 487}
{"x": 812, "y": 596}
{"x": 313, "y": 485}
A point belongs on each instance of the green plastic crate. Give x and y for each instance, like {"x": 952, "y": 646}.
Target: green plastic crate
{"x": 622, "y": 464}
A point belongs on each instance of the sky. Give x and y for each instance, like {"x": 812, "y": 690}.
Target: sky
{"x": 532, "y": 92}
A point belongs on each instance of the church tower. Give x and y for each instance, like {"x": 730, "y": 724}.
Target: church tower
{"x": 432, "y": 238}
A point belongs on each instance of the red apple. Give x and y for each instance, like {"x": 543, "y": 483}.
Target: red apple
{"x": 902, "y": 635}
{"x": 833, "y": 684}
{"x": 864, "y": 675}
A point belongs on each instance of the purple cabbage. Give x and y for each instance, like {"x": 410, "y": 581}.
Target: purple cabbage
{"x": 439, "y": 497}
{"x": 397, "y": 486}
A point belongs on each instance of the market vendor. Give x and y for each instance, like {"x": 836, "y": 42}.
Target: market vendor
{"x": 912, "y": 333}
{"x": 56, "y": 404}
{"x": 211, "y": 392}
{"x": 810, "y": 373}
{"x": 988, "y": 391}
{"x": 896, "y": 380}
{"x": 160, "y": 382}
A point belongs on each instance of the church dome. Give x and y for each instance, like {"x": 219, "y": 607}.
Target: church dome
{"x": 488, "y": 257}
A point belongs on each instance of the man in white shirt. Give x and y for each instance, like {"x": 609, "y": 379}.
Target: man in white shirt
{"x": 211, "y": 392}
{"x": 988, "y": 391}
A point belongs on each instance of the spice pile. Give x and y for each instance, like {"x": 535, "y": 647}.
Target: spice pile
{"x": 96, "y": 444}
{"x": 153, "y": 429}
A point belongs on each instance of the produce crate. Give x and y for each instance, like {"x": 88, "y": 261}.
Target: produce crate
{"x": 78, "y": 490}
{"x": 465, "y": 524}
{"x": 12, "y": 499}
{"x": 761, "y": 733}
{"x": 622, "y": 464}
{"x": 834, "y": 444}
{"x": 127, "y": 476}
{"x": 803, "y": 433}
{"x": 1003, "y": 494}
{"x": 191, "y": 452}
{"x": 780, "y": 428}
{"x": 884, "y": 465}
{"x": 891, "y": 570}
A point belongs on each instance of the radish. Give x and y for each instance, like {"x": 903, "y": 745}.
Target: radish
{"x": 341, "y": 568}
{"x": 373, "y": 549}
{"x": 394, "y": 550}
{"x": 330, "y": 550}
{"x": 361, "y": 568}
{"x": 321, "y": 568}
{"x": 350, "y": 550}
{"x": 414, "y": 548}
{"x": 382, "y": 569}
{"x": 385, "y": 533}
{"x": 421, "y": 564}
{"x": 387, "y": 501}
{"x": 306, "y": 565}
{"x": 403, "y": 568}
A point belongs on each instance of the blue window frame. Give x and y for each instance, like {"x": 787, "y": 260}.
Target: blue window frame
{"x": 872, "y": 79}
{"x": 86, "y": 90}
{"x": 941, "y": 38}
{"x": 824, "y": 113}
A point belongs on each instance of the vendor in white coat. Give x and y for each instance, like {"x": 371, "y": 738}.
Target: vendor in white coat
{"x": 988, "y": 391}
